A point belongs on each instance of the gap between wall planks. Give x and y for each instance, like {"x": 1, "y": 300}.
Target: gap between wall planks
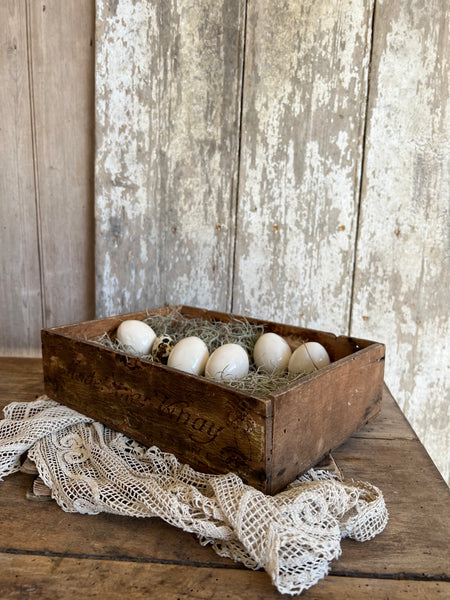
{"x": 167, "y": 156}
{"x": 402, "y": 277}
{"x": 392, "y": 300}
{"x": 47, "y": 155}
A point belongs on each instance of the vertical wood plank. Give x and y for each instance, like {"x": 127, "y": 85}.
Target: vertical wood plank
{"x": 303, "y": 115}
{"x": 167, "y": 106}
{"x": 62, "y": 54}
{"x": 402, "y": 277}
{"x": 20, "y": 295}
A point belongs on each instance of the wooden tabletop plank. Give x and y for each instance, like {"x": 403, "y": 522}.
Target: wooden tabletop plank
{"x": 44, "y": 527}
{"x": 390, "y": 424}
{"x": 58, "y": 578}
{"x": 416, "y": 539}
{"x": 20, "y": 377}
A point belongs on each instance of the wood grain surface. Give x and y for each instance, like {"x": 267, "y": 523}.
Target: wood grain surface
{"x": 41, "y": 578}
{"x": 268, "y": 441}
{"x": 244, "y": 162}
{"x": 46, "y": 174}
{"x": 335, "y": 211}
{"x": 47, "y": 553}
{"x": 402, "y": 274}
{"x": 167, "y": 109}
{"x": 61, "y": 62}
{"x": 21, "y": 316}
{"x": 303, "y": 114}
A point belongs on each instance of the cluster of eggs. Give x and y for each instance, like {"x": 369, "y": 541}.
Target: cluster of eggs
{"x": 190, "y": 354}
{"x": 230, "y": 361}
{"x": 272, "y": 354}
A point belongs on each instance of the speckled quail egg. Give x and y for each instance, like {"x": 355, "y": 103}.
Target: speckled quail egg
{"x": 162, "y": 347}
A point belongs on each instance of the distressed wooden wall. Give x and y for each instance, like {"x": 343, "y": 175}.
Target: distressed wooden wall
{"x": 402, "y": 271}
{"x": 304, "y": 102}
{"x": 46, "y": 168}
{"x": 167, "y": 109}
{"x": 245, "y": 161}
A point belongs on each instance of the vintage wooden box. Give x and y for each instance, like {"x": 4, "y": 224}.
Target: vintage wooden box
{"x": 212, "y": 427}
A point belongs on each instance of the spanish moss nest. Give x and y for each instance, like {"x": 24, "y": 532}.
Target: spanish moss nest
{"x": 214, "y": 334}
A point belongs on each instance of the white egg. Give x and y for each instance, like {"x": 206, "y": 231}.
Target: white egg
{"x": 307, "y": 358}
{"x": 190, "y": 355}
{"x": 136, "y": 336}
{"x": 229, "y": 361}
{"x": 271, "y": 353}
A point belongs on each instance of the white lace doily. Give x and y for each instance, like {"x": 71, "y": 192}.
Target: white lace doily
{"x": 90, "y": 468}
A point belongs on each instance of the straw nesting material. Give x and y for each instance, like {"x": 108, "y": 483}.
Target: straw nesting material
{"x": 214, "y": 334}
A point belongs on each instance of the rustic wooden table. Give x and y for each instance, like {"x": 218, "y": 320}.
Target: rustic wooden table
{"x": 47, "y": 553}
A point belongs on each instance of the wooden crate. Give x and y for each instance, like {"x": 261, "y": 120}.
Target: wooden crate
{"x": 209, "y": 425}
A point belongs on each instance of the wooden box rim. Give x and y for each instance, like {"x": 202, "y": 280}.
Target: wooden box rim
{"x": 364, "y": 344}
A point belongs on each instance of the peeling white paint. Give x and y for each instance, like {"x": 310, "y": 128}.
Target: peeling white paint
{"x": 304, "y": 99}
{"x": 168, "y": 93}
{"x": 167, "y": 80}
{"x": 403, "y": 267}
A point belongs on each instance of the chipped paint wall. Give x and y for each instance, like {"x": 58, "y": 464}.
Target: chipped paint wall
{"x": 304, "y": 102}
{"x": 168, "y": 98}
{"x": 247, "y": 162}
{"x": 402, "y": 275}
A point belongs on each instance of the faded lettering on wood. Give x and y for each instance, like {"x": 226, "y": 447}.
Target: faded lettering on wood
{"x": 390, "y": 457}
{"x": 399, "y": 291}
{"x": 211, "y": 426}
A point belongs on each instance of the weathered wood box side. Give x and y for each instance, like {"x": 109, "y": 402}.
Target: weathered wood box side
{"x": 323, "y": 410}
{"x": 212, "y": 427}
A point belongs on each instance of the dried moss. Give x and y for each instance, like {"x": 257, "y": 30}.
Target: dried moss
{"x": 214, "y": 334}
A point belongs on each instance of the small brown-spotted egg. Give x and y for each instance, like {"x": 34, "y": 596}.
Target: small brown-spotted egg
{"x": 162, "y": 347}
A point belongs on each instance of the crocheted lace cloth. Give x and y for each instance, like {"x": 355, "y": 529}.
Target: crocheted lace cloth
{"x": 90, "y": 468}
